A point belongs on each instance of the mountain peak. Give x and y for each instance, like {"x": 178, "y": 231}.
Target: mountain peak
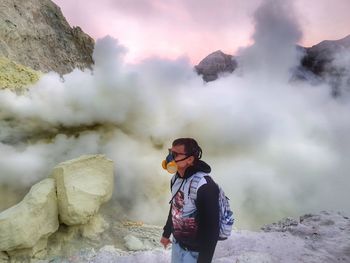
{"x": 333, "y": 44}
{"x": 214, "y": 64}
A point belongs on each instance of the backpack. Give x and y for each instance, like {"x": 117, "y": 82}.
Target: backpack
{"x": 226, "y": 218}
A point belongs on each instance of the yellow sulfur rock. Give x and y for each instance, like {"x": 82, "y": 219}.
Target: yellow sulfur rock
{"x": 83, "y": 184}
{"x": 31, "y": 220}
{"x": 16, "y": 77}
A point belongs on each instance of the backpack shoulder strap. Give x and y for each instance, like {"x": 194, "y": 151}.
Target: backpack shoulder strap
{"x": 192, "y": 190}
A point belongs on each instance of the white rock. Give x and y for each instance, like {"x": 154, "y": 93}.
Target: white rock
{"x": 83, "y": 184}
{"x": 133, "y": 243}
{"x": 34, "y": 218}
{"x": 94, "y": 227}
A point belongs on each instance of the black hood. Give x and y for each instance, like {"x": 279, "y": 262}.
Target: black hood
{"x": 201, "y": 166}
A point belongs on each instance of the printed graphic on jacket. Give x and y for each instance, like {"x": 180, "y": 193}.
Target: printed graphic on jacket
{"x": 185, "y": 226}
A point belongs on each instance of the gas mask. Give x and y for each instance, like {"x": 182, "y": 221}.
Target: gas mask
{"x": 169, "y": 163}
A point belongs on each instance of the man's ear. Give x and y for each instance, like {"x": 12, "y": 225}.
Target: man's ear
{"x": 190, "y": 160}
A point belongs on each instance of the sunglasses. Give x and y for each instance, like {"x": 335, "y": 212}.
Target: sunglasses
{"x": 175, "y": 154}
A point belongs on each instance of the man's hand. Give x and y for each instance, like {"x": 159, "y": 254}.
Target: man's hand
{"x": 165, "y": 242}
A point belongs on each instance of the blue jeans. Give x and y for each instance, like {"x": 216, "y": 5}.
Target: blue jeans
{"x": 179, "y": 255}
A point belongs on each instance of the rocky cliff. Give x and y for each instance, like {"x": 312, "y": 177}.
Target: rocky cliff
{"x": 328, "y": 61}
{"x": 319, "y": 56}
{"x": 35, "y": 33}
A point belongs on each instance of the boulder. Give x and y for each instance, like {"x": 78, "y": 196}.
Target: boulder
{"x": 33, "y": 219}
{"x": 83, "y": 184}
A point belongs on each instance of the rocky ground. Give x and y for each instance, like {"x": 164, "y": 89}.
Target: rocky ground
{"x": 322, "y": 237}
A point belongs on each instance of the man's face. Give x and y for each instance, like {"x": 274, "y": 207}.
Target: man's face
{"x": 179, "y": 154}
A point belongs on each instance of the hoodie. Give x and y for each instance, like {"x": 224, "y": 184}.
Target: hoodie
{"x": 194, "y": 223}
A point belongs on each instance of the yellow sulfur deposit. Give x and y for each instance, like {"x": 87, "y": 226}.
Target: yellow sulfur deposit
{"x": 132, "y": 224}
{"x": 15, "y": 76}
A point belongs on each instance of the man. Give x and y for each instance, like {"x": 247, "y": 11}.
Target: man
{"x": 194, "y": 212}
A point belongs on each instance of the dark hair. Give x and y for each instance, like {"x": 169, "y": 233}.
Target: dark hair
{"x": 191, "y": 147}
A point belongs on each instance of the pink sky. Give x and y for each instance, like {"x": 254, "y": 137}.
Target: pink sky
{"x": 195, "y": 28}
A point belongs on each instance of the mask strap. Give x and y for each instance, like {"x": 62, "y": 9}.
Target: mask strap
{"x": 182, "y": 159}
{"x": 176, "y": 192}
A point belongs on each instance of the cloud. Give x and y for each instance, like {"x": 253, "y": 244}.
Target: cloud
{"x": 195, "y": 28}
{"x": 143, "y": 8}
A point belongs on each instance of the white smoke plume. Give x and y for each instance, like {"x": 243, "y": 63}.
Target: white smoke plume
{"x": 277, "y": 147}
{"x": 274, "y": 52}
